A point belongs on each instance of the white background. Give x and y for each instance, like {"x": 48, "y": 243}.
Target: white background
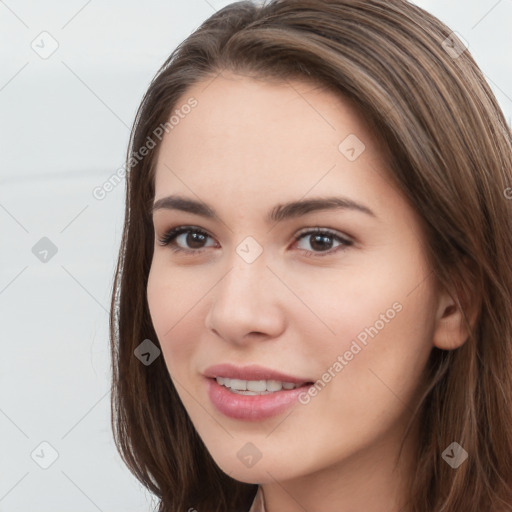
{"x": 64, "y": 127}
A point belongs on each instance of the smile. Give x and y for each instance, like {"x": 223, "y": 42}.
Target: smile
{"x": 255, "y": 387}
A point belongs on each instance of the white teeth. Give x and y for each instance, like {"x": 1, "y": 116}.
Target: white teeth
{"x": 238, "y": 384}
{"x": 275, "y": 385}
{"x": 255, "y": 387}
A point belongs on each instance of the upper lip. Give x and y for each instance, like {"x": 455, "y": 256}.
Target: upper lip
{"x": 251, "y": 372}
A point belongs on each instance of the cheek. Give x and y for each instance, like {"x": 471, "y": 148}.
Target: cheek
{"x": 368, "y": 393}
{"x": 379, "y": 335}
{"x": 380, "y": 354}
{"x": 356, "y": 306}
{"x": 158, "y": 302}
{"x": 168, "y": 310}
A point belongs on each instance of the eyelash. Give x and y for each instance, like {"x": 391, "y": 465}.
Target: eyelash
{"x": 173, "y": 233}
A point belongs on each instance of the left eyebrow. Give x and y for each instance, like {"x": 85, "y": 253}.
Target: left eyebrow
{"x": 279, "y": 213}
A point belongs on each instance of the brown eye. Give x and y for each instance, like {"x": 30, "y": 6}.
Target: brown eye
{"x": 321, "y": 241}
{"x": 192, "y": 238}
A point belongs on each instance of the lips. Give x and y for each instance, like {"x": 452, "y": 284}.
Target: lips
{"x": 252, "y": 393}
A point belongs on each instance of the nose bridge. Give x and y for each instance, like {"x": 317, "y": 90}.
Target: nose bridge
{"x": 248, "y": 270}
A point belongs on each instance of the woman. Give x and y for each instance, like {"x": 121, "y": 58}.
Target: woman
{"x": 312, "y": 305}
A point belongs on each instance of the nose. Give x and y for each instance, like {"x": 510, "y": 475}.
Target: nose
{"x": 247, "y": 303}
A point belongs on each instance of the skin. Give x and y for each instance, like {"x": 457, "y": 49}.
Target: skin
{"x": 247, "y": 146}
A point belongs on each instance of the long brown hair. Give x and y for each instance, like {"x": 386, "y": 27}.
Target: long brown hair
{"x": 450, "y": 153}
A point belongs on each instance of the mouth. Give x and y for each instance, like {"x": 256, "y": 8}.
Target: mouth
{"x": 253, "y": 392}
{"x": 257, "y": 387}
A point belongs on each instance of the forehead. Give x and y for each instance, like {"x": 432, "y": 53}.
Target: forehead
{"x": 257, "y": 140}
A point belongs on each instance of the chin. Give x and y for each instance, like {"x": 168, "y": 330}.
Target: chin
{"x": 260, "y": 472}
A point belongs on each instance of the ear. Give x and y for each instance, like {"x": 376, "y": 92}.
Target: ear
{"x": 451, "y": 330}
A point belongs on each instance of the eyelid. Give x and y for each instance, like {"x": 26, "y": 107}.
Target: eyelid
{"x": 330, "y": 231}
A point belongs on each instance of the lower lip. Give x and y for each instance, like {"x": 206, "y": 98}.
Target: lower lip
{"x": 252, "y": 407}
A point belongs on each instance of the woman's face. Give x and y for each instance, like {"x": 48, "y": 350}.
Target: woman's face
{"x": 351, "y": 308}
